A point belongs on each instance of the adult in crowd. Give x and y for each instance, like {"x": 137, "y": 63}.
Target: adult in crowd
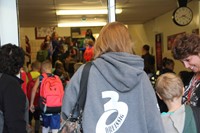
{"x": 12, "y": 98}
{"x": 47, "y": 40}
{"x": 186, "y": 48}
{"x": 119, "y": 93}
{"x": 89, "y": 35}
{"x": 149, "y": 60}
{"x": 54, "y": 40}
{"x": 55, "y": 44}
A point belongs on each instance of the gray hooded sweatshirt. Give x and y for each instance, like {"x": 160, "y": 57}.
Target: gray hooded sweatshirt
{"x": 120, "y": 97}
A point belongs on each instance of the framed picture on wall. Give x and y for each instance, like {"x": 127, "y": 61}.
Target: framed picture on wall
{"x": 41, "y": 32}
{"x": 171, "y": 38}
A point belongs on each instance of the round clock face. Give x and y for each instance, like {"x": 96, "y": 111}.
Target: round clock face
{"x": 182, "y": 16}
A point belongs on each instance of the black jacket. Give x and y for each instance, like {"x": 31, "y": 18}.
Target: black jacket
{"x": 12, "y": 103}
{"x": 149, "y": 63}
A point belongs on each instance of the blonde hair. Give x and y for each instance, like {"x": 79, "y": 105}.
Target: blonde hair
{"x": 114, "y": 37}
{"x": 169, "y": 86}
{"x": 89, "y": 42}
{"x": 46, "y": 66}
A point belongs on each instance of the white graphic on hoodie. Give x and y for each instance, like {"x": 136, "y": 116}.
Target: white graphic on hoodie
{"x": 111, "y": 107}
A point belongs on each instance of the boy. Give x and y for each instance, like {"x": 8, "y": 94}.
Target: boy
{"x": 50, "y": 120}
{"x": 179, "y": 118}
{"x": 89, "y": 52}
{"x": 32, "y": 76}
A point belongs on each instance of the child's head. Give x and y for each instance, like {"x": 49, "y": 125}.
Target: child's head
{"x": 35, "y": 66}
{"x": 89, "y": 42}
{"x": 168, "y": 63}
{"x": 46, "y": 67}
{"x": 169, "y": 86}
{"x": 59, "y": 65}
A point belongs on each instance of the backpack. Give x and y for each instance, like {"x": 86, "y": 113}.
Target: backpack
{"x": 42, "y": 55}
{"x": 30, "y": 85}
{"x": 51, "y": 93}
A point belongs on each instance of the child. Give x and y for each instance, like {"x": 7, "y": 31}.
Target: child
{"x": 89, "y": 52}
{"x": 179, "y": 118}
{"x": 60, "y": 71}
{"x": 32, "y": 76}
{"x": 50, "y": 120}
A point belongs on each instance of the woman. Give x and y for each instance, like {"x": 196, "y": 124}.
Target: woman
{"x": 186, "y": 48}
{"x": 120, "y": 97}
{"x": 12, "y": 98}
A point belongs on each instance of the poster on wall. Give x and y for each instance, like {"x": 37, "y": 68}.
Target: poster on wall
{"x": 41, "y": 32}
{"x": 158, "y": 43}
{"x": 171, "y": 38}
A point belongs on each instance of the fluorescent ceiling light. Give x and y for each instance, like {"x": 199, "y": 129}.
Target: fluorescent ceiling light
{"x": 81, "y": 24}
{"x": 82, "y": 12}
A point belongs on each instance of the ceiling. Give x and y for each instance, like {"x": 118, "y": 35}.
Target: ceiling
{"x": 42, "y": 13}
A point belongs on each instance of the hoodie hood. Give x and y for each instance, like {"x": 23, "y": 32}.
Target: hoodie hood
{"x": 120, "y": 70}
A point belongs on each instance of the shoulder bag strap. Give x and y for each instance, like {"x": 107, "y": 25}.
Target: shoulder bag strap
{"x": 83, "y": 85}
{"x": 82, "y": 95}
{"x": 77, "y": 110}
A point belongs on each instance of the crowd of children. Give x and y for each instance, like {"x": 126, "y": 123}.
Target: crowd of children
{"x": 60, "y": 60}
{"x": 57, "y": 58}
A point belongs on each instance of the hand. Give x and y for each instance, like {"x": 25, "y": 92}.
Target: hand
{"x": 32, "y": 108}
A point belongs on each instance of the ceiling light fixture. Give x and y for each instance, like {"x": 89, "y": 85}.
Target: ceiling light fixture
{"x": 81, "y": 24}
{"x": 84, "y": 12}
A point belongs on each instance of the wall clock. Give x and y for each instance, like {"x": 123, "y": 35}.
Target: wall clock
{"x": 182, "y": 16}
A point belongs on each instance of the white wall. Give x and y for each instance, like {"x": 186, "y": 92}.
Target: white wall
{"x": 139, "y": 37}
{"x": 145, "y": 34}
{"x": 8, "y": 25}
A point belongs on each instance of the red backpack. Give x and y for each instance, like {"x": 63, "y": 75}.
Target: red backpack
{"x": 51, "y": 93}
{"x": 30, "y": 85}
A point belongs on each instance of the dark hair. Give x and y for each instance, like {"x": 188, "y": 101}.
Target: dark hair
{"x": 44, "y": 45}
{"x": 88, "y": 32}
{"x": 45, "y": 39}
{"x": 53, "y": 35}
{"x": 146, "y": 47}
{"x": 11, "y": 59}
{"x": 186, "y": 45}
{"x": 167, "y": 61}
